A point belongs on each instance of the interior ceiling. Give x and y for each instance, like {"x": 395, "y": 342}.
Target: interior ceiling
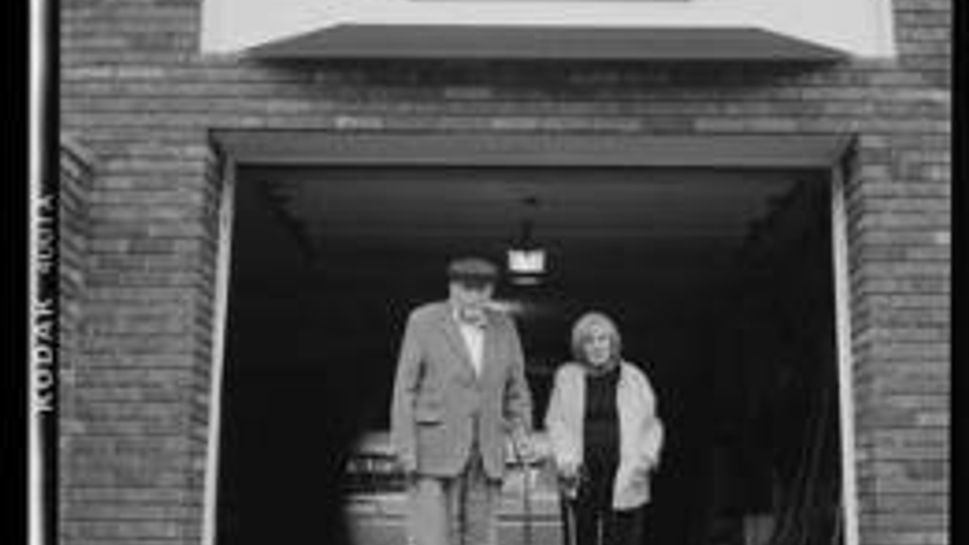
{"x": 670, "y": 227}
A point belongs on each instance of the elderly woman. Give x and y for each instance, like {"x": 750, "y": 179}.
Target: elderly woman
{"x": 605, "y": 437}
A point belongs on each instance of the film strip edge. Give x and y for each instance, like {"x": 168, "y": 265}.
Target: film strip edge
{"x": 44, "y": 278}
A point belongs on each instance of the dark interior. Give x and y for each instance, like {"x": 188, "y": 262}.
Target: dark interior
{"x": 720, "y": 281}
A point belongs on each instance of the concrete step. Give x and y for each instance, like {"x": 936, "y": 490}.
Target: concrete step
{"x": 391, "y": 532}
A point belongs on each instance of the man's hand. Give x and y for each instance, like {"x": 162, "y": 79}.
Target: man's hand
{"x": 407, "y": 466}
{"x": 526, "y": 450}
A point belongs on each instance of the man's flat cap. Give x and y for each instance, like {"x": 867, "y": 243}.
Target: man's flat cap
{"x": 472, "y": 269}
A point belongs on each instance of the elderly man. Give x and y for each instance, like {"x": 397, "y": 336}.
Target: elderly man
{"x": 460, "y": 399}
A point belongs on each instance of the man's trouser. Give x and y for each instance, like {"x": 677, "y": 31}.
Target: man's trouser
{"x": 457, "y": 510}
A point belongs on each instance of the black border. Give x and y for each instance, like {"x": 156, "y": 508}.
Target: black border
{"x": 960, "y": 207}
{"x": 13, "y": 448}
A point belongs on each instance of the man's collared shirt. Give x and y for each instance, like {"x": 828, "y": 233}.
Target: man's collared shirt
{"x": 473, "y": 335}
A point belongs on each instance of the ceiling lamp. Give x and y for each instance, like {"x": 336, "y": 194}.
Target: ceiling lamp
{"x": 526, "y": 259}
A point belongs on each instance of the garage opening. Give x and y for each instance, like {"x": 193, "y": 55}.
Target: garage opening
{"x": 721, "y": 281}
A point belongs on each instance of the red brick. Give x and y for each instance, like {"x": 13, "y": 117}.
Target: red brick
{"x": 131, "y": 530}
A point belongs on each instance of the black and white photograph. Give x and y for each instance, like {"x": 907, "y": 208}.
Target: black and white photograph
{"x": 491, "y": 272}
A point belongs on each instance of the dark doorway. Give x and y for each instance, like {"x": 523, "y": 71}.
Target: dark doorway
{"x": 720, "y": 281}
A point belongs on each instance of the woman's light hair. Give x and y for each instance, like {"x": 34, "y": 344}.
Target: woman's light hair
{"x": 582, "y": 330}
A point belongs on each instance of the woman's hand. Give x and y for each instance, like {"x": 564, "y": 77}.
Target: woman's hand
{"x": 567, "y": 469}
{"x": 646, "y": 469}
{"x": 569, "y": 478}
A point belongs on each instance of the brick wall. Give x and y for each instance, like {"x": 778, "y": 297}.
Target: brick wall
{"x": 135, "y": 91}
{"x": 75, "y": 185}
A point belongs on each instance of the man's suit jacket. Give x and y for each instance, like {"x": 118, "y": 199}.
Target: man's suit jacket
{"x": 438, "y": 396}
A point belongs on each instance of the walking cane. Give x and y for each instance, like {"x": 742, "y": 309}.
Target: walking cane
{"x": 570, "y": 528}
{"x": 565, "y": 497}
{"x": 526, "y": 499}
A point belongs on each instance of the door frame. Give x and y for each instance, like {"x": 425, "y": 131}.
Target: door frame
{"x": 237, "y": 148}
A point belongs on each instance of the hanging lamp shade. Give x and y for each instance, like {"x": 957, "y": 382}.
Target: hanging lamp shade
{"x": 526, "y": 259}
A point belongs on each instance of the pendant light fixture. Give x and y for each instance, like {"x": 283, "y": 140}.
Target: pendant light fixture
{"x": 526, "y": 259}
